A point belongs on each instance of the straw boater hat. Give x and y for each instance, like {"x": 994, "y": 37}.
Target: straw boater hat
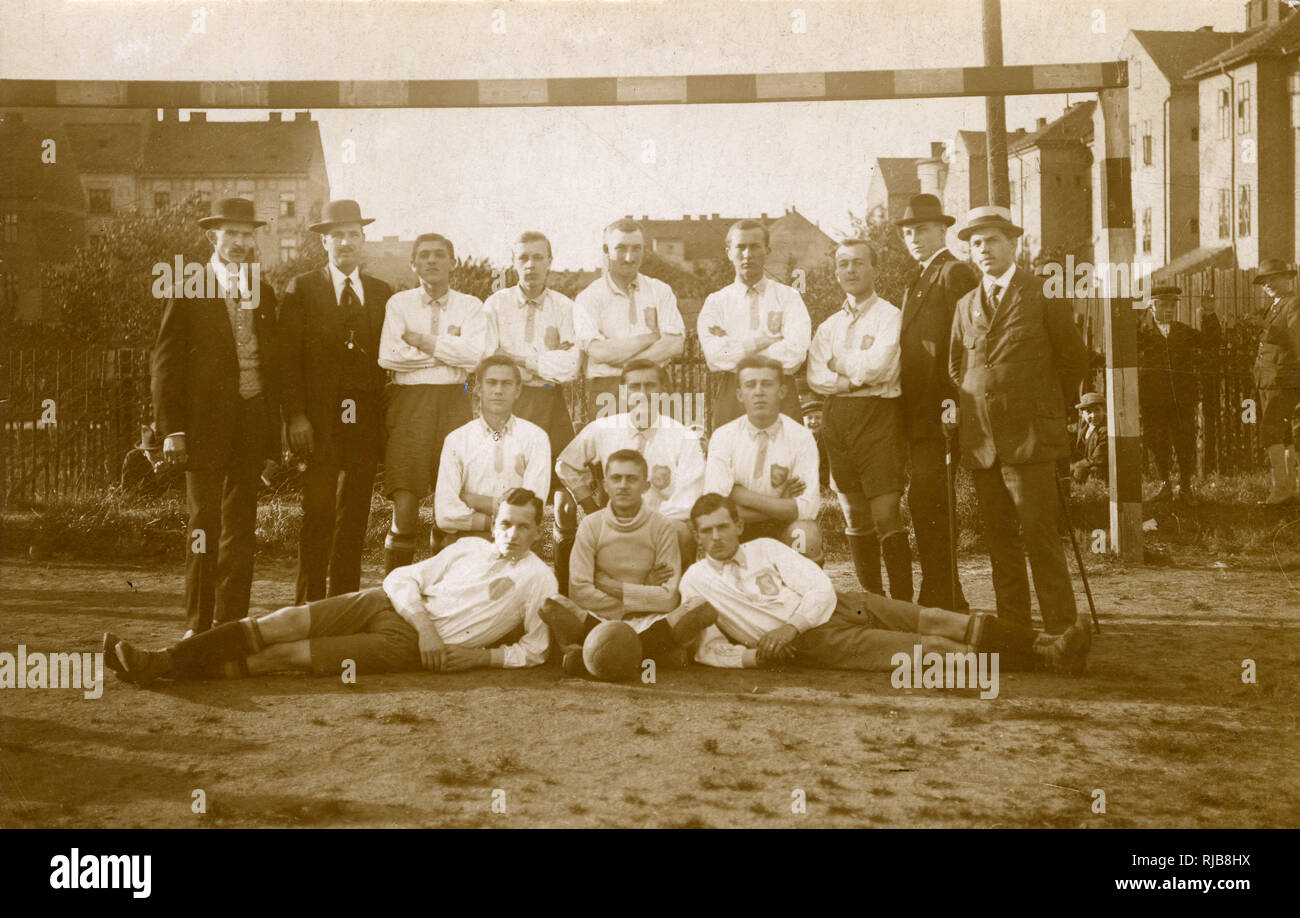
{"x": 1092, "y": 400}
{"x": 231, "y": 210}
{"x": 336, "y": 212}
{"x": 1166, "y": 292}
{"x": 925, "y": 208}
{"x": 1271, "y": 267}
{"x": 985, "y": 218}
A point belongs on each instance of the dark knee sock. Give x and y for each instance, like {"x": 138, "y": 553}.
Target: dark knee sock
{"x": 195, "y": 656}
{"x": 399, "y": 551}
{"x": 563, "y": 550}
{"x": 866, "y": 561}
{"x": 898, "y": 562}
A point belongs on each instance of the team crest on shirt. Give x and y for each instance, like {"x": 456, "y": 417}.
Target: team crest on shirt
{"x": 767, "y": 584}
{"x": 521, "y": 465}
{"x": 500, "y": 587}
{"x": 661, "y": 477}
{"x": 780, "y": 475}
{"x": 867, "y": 341}
{"x": 774, "y": 320}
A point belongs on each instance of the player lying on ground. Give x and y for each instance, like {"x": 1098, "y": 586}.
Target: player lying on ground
{"x": 774, "y": 606}
{"x": 474, "y": 604}
{"x": 625, "y": 567}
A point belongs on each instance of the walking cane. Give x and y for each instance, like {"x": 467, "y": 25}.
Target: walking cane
{"x": 1078, "y": 555}
{"x": 951, "y": 474}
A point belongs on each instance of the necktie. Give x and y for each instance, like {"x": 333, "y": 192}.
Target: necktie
{"x": 760, "y": 460}
{"x": 433, "y": 317}
{"x": 751, "y": 302}
{"x": 351, "y": 304}
{"x": 631, "y": 306}
{"x": 531, "y": 307}
{"x": 640, "y": 439}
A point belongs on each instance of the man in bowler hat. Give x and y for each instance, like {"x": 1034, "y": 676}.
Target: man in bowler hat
{"x": 333, "y": 393}
{"x": 214, "y": 394}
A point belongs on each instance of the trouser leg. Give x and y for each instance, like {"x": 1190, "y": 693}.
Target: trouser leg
{"x": 319, "y": 487}
{"x": 927, "y": 502}
{"x": 203, "y": 494}
{"x": 1006, "y": 551}
{"x": 565, "y": 516}
{"x": 238, "y": 542}
{"x": 353, "y": 515}
{"x": 1032, "y": 490}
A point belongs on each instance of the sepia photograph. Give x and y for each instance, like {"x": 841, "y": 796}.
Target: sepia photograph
{"x": 717, "y": 414}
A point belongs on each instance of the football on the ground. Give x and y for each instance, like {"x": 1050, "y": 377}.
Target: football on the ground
{"x": 612, "y": 652}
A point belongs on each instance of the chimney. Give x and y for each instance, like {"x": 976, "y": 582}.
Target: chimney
{"x": 936, "y": 149}
{"x": 1262, "y": 12}
{"x": 704, "y": 216}
{"x": 198, "y": 117}
{"x": 274, "y": 117}
{"x": 687, "y": 217}
{"x": 302, "y": 116}
{"x": 1040, "y": 124}
{"x": 1206, "y": 28}
{"x": 714, "y": 217}
{"x": 762, "y": 216}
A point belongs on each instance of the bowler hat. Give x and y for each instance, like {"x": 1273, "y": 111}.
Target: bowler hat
{"x": 1092, "y": 400}
{"x": 925, "y": 208}
{"x": 231, "y": 210}
{"x": 335, "y": 212}
{"x": 1166, "y": 292}
{"x": 1271, "y": 267}
{"x": 987, "y": 218}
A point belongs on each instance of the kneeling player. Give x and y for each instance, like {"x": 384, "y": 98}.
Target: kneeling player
{"x": 774, "y": 605}
{"x": 465, "y": 607}
{"x": 767, "y": 463}
{"x": 625, "y": 567}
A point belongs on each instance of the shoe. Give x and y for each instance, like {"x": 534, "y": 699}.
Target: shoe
{"x": 565, "y": 619}
{"x": 111, "y": 659}
{"x": 572, "y": 663}
{"x": 143, "y": 667}
{"x": 1066, "y": 652}
{"x": 693, "y": 622}
{"x": 1014, "y": 644}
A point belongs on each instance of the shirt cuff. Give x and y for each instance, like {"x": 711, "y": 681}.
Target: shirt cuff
{"x": 801, "y": 624}
{"x": 749, "y": 658}
{"x": 498, "y": 656}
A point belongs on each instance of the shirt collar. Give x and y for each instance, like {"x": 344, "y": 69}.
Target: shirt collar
{"x": 338, "y": 277}
{"x": 1001, "y": 281}
{"x": 523, "y": 299}
{"x": 929, "y": 261}
{"x": 506, "y": 429}
{"x": 428, "y": 300}
{"x": 635, "y": 285}
{"x": 738, "y": 559}
{"x": 866, "y": 307}
{"x": 753, "y": 430}
{"x": 743, "y": 287}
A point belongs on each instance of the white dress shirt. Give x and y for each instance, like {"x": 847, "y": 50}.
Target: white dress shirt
{"x": 339, "y": 278}
{"x": 601, "y": 313}
{"x": 765, "y": 585}
{"x": 456, "y": 321}
{"x": 790, "y": 452}
{"x": 772, "y": 309}
{"x": 476, "y": 460}
{"x": 865, "y": 346}
{"x": 540, "y": 328}
{"x": 474, "y": 596}
{"x": 998, "y": 283}
{"x": 671, "y": 449}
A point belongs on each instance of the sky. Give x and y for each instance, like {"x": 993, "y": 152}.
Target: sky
{"x": 482, "y": 175}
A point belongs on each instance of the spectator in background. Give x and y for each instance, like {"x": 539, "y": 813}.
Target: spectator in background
{"x": 1277, "y": 373}
{"x": 144, "y": 474}
{"x": 1168, "y": 358}
{"x": 1092, "y": 444}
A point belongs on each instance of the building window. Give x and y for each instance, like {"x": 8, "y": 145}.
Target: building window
{"x": 1146, "y": 231}
{"x": 1225, "y": 114}
{"x": 244, "y": 190}
{"x": 204, "y": 191}
{"x": 1146, "y": 143}
{"x": 101, "y": 200}
{"x": 1243, "y": 107}
{"x": 162, "y": 200}
{"x": 288, "y": 248}
{"x": 11, "y": 229}
{"x": 1135, "y": 73}
{"x": 1243, "y": 210}
{"x": 286, "y": 203}
{"x": 9, "y": 289}
{"x": 1225, "y": 213}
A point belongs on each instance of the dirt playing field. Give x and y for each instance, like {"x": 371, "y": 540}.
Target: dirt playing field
{"x": 1162, "y": 723}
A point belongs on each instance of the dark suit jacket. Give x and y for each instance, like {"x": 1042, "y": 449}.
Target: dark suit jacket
{"x": 928, "y": 307}
{"x": 1014, "y": 373}
{"x": 313, "y": 347}
{"x": 1168, "y": 368}
{"x": 196, "y": 377}
{"x": 1094, "y": 456}
{"x": 1278, "y": 364}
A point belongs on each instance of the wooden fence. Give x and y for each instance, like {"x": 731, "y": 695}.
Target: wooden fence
{"x": 70, "y": 415}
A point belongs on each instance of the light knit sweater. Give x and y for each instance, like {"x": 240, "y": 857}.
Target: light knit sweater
{"x": 625, "y": 551}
